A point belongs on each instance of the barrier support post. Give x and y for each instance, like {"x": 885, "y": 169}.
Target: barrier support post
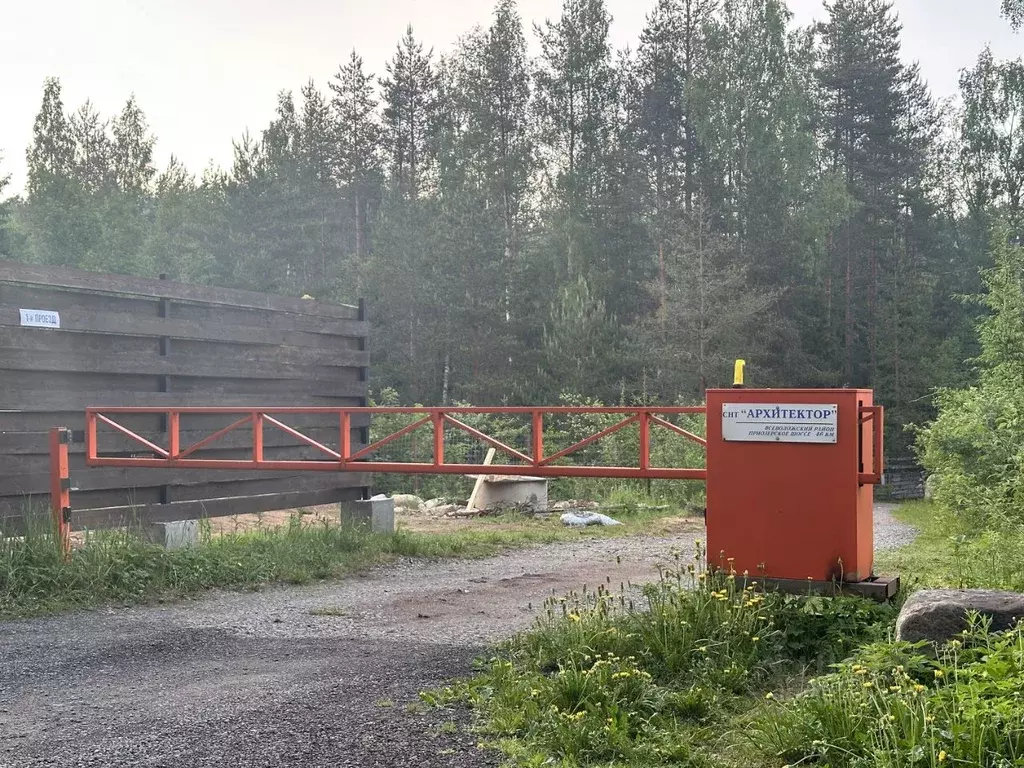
{"x": 60, "y": 489}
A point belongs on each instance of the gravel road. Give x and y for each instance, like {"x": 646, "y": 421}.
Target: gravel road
{"x": 326, "y": 675}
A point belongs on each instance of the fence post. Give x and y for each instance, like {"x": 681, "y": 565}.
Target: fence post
{"x": 538, "y": 437}
{"x": 438, "y": 438}
{"x": 164, "y": 385}
{"x": 645, "y": 440}
{"x": 60, "y": 489}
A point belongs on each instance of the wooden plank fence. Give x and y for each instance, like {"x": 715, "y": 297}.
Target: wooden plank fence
{"x": 127, "y": 341}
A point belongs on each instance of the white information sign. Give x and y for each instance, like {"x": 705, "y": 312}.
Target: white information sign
{"x": 40, "y": 318}
{"x": 779, "y": 422}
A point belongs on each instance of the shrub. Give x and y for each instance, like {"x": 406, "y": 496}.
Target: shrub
{"x": 975, "y": 446}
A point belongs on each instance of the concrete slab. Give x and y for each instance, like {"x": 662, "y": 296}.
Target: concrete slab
{"x": 177, "y": 535}
{"x": 511, "y": 490}
{"x": 376, "y": 514}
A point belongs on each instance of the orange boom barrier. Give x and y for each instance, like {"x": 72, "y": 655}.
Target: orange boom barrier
{"x": 789, "y": 472}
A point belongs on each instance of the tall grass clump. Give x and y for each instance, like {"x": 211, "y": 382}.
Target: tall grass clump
{"x": 895, "y": 705}
{"x": 119, "y": 566}
{"x": 613, "y": 674}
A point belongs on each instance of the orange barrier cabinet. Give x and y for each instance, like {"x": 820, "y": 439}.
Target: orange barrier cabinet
{"x": 790, "y": 481}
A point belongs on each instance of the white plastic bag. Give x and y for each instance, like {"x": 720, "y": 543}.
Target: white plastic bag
{"x": 581, "y": 519}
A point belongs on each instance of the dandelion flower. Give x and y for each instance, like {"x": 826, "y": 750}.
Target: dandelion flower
{"x": 939, "y": 673}
{"x": 942, "y": 756}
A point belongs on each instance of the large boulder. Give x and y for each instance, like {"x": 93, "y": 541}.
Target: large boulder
{"x": 941, "y": 614}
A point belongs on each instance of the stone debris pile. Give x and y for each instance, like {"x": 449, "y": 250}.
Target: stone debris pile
{"x": 411, "y": 505}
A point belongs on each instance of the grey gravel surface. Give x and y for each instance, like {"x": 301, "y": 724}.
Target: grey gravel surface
{"x": 326, "y": 675}
{"x": 890, "y": 533}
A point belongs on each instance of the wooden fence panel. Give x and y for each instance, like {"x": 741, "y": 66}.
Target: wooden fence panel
{"x": 125, "y": 341}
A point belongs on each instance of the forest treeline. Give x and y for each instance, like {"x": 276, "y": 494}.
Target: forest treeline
{"x": 616, "y": 224}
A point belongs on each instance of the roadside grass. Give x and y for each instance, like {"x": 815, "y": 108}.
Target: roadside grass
{"x": 706, "y": 670}
{"x": 665, "y": 677}
{"x": 947, "y": 553}
{"x": 119, "y": 567}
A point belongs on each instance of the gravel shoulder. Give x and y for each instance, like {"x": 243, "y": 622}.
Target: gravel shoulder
{"x": 326, "y": 675}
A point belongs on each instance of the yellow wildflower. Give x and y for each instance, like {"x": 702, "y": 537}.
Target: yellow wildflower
{"x": 942, "y": 756}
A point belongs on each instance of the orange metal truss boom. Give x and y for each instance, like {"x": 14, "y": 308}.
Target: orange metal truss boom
{"x": 342, "y": 457}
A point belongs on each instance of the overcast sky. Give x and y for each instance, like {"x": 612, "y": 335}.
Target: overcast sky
{"x": 206, "y": 70}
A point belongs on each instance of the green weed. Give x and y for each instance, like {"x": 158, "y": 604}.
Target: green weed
{"x": 653, "y": 676}
{"x": 896, "y": 706}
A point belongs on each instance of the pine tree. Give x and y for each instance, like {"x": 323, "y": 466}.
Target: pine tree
{"x": 666, "y": 90}
{"x": 177, "y": 243}
{"x": 488, "y": 166}
{"x": 580, "y": 343}
{"x": 54, "y": 218}
{"x": 320, "y": 200}
{"x": 280, "y": 145}
{"x": 1013, "y": 10}
{"x": 496, "y": 86}
{"x": 94, "y": 150}
{"x": 880, "y": 132}
{"x": 710, "y": 314}
{"x": 358, "y": 139}
{"x": 132, "y": 151}
{"x": 410, "y": 94}
{"x": 576, "y": 104}
{"x": 867, "y": 89}
{"x": 51, "y": 158}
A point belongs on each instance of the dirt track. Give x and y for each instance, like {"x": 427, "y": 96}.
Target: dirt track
{"x": 317, "y": 676}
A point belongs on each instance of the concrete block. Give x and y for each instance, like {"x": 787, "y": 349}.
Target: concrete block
{"x": 376, "y": 514}
{"x": 512, "y": 490}
{"x": 176, "y": 535}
